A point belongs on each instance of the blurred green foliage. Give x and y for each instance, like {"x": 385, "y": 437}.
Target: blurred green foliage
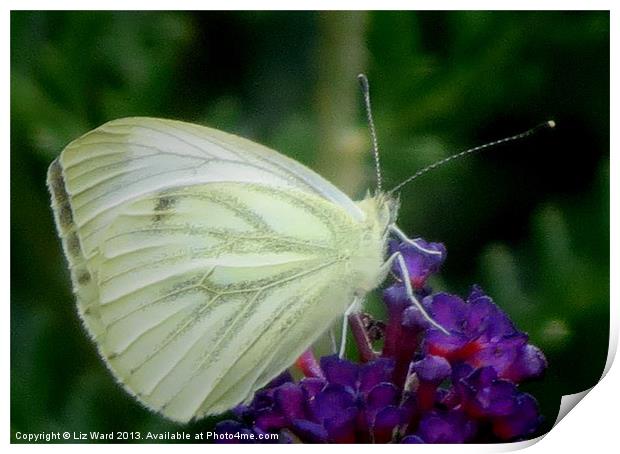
{"x": 528, "y": 221}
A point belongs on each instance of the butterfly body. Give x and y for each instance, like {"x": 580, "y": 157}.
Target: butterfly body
{"x": 204, "y": 264}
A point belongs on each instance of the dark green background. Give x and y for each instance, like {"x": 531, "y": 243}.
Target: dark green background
{"x": 528, "y": 221}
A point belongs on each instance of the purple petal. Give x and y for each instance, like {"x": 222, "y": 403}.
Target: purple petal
{"x": 460, "y": 370}
{"x": 481, "y": 335}
{"x": 523, "y": 422}
{"x": 332, "y": 401}
{"x": 340, "y": 371}
{"x": 413, "y": 318}
{"x": 375, "y": 372}
{"x": 308, "y": 431}
{"x": 269, "y": 420}
{"x": 263, "y": 399}
{"x": 447, "y": 345}
{"x": 446, "y": 427}
{"x": 312, "y": 386}
{"x": 448, "y": 310}
{"x": 243, "y": 412}
{"x": 341, "y": 429}
{"x": 485, "y": 317}
{"x": 420, "y": 264}
{"x": 486, "y": 396}
{"x": 385, "y": 422}
{"x": 434, "y": 369}
{"x": 382, "y": 395}
{"x": 290, "y": 400}
{"x": 499, "y": 353}
{"x": 530, "y": 363}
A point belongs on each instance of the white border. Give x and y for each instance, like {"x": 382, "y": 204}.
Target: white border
{"x": 539, "y": 5}
{"x": 593, "y": 426}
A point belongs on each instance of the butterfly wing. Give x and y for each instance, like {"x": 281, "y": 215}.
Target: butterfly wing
{"x": 198, "y": 289}
{"x": 127, "y": 158}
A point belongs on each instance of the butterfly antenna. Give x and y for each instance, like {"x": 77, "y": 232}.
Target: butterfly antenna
{"x": 546, "y": 125}
{"x": 365, "y": 86}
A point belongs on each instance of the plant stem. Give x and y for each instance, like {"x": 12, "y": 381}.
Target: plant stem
{"x": 363, "y": 342}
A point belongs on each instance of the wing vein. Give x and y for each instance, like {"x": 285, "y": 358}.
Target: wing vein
{"x": 215, "y": 348}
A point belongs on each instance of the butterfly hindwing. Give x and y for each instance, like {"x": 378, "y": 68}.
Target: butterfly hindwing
{"x": 194, "y": 285}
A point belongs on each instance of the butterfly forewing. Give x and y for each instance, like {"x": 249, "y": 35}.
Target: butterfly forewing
{"x": 128, "y": 158}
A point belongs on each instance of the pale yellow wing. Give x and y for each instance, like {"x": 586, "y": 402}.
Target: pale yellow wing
{"x": 197, "y": 296}
{"x": 125, "y": 159}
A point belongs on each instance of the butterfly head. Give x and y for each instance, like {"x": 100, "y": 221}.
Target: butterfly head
{"x": 381, "y": 211}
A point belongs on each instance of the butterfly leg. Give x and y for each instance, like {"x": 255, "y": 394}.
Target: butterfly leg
{"x": 413, "y": 242}
{"x": 354, "y": 307}
{"x": 332, "y": 340}
{"x": 398, "y": 257}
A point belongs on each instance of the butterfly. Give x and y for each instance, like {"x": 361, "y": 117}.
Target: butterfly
{"x": 204, "y": 264}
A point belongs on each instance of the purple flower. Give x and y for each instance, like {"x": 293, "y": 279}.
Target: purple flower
{"x": 452, "y": 426}
{"x": 420, "y": 264}
{"x": 481, "y": 335}
{"x": 486, "y": 397}
{"x": 423, "y": 386}
{"x": 430, "y": 371}
{"x": 521, "y": 423}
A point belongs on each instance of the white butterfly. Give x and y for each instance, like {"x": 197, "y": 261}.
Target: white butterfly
{"x": 204, "y": 264}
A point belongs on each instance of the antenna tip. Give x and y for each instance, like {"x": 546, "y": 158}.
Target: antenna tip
{"x": 363, "y": 80}
{"x": 551, "y": 124}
